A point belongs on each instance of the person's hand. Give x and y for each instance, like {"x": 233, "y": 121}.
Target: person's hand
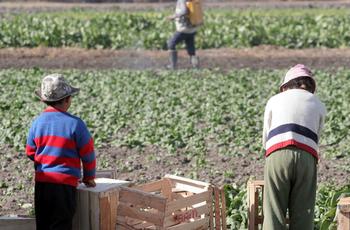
{"x": 89, "y": 183}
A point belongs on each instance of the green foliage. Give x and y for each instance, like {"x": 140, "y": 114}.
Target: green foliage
{"x": 150, "y": 30}
{"x": 196, "y": 111}
{"x": 236, "y": 206}
{"x": 326, "y": 206}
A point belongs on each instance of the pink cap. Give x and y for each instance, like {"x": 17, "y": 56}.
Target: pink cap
{"x": 297, "y": 71}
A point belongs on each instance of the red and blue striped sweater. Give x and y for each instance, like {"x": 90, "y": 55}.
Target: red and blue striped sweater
{"x": 57, "y": 143}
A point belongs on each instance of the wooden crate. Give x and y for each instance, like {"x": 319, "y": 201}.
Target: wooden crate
{"x": 343, "y": 214}
{"x": 17, "y": 223}
{"x": 97, "y": 207}
{"x": 172, "y": 203}
{"x": 255, "y": 194}
{"x": 106, "y": 173}
{"x": 255, "y": 189}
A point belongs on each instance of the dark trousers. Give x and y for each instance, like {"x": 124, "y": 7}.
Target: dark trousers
{"x": 179, "y": 37}
{"x": 54, "y": 206}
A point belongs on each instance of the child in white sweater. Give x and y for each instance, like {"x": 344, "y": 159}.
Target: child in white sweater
{"x": 293, "y": 121}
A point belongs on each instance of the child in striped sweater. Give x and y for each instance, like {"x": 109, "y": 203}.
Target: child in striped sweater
{"x": 58, "y": 143}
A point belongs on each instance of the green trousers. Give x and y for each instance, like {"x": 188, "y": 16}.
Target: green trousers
{"x": 290, "y": 184}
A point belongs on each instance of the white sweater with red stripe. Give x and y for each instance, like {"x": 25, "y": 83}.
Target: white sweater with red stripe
{"x": 293, "y": 118}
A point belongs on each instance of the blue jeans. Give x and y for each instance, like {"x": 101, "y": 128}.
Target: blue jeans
{"x": 179, "y": 37}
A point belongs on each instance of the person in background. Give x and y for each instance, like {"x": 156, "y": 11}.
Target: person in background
{"x": 57, "y": 143}
{"x": 186, "y": 32}
{"x": 293, "y": 121}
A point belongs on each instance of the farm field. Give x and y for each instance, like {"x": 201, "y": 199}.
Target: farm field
{"x": 146, "y": 121}
{"x": 202, "y": 124}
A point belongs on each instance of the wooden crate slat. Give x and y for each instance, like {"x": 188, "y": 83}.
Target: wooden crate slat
{"x": 189, "y": 188}
{"x": 201, "y": 224}
{"x": 252, "y": 224}
{"x": 114, "y": 197}
{"x": 144, "y": 225}
{"x": 150, "y": 187}
{"x": 217, "y": 208}
{"x": 204, "y": 209}
{"x": 94, "y": 212}
{"x": 128, "y": 221}
{"x": 84, "y": 222}
{"x": 143, "y": 199}
{"x": 106, "y": 217}
{"x": 344, "y": 204}
{"x": 256, "y": 199}
{"x": 108, "y": 210}
{"x": 223, "y": 209}
{"x": 211, "y": 215}
{"x": 123, "y": 226}
{"x": 183, "y": 180}
{"x": 343, "y": 221}
{"x": 186, "y": 202}
{"x": 199, "y": 212}
{"x": 200, "y": 204}
{"x": 106, "y": 173}
{"x": 344, "y": 214}
{"x": 167, "y": 189}
{"x": 176, "y": 196}
{"x": 17, "y": 223}
{"x": 125, "y": 210}
{"x": 259, "y": 183}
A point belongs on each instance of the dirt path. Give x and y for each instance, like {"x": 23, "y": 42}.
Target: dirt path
{"x": 263, "y": 57}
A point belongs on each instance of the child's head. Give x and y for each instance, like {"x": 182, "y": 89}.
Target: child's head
{"x": 299, "y": 77}
{"x": 54, "y": 88}
{"x": 305, "y": 83}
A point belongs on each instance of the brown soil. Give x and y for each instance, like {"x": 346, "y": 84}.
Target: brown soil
{"x": 149, "y": 164}
{"x": 263, "y": 57}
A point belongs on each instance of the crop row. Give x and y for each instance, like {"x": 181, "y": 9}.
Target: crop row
{"x": 150, "y": 30}
{"x": 197, "y": 111}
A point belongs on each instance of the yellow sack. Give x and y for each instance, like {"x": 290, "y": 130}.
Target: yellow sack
{"x": 195, "y": 12}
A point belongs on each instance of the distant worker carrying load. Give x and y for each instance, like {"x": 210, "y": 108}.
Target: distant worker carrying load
{"x": 188, "y": 17}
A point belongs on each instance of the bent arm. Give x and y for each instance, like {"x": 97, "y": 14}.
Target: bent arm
{"x": 88, "y": 158}
{"x": 86, "y": 152}
{"x": 30, "y": 145}
{"x": 267, "y": 124}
